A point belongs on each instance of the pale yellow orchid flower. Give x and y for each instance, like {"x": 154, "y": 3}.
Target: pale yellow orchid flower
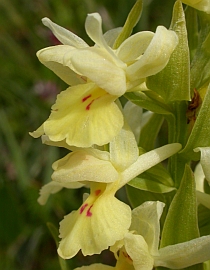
{"x": 102, "y": 219}
{"x": 86, "y": 113}
{"x": 116, "y": 71}
{"x": 53, "y": 187}
{"x": 141, "y": 244}
{"x": 82, "y": 116}
{"x": 202, "y": 5}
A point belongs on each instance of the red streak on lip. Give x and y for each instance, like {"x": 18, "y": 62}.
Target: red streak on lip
{"x": 97, "y": 192}
{"x": 83, "y": 208}
{"x": 85, "y": 98}
{"x": 127, "y": 256}
{"x": 89, "y": 214}
{"x": 88, "y": 106}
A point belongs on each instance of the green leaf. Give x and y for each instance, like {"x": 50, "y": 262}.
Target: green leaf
{"x": 206, "y": 187}
{"x": 54, "y": 232}
{"x": 132, "y": 20}
{"x": 173, "y": 82}
{"x": 206, "y": 44}
{"x": 159, "y": 174}
{"x": 203, "y": 220}
{"x": 137, "y": 196}
{"x": 192, "y": 29}
{"x": 199, "y": 136}
{"x": 148, "y": 103}
{"x": 149, "y": 185}
{"x": 181, "y": 222}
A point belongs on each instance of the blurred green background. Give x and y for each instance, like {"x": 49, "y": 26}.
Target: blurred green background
{"x": 27, "y": 91}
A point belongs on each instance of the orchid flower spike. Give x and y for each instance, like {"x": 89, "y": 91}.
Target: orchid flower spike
{"x": 102, "y": 219}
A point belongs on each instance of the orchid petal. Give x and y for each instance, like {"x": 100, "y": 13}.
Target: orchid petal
{"x": 85, "y": 165}
{"x": 134, "y": 46}
{"x": 205, "y": 153}
{"x": 54, "y": 187}
{"x": 93, "y": 26}
{"x": 146, "y": 117}
{"x": 63, "y": 35}
{"x": 156, "y": 56}
{"x": 148, "y": 160}
{"x": 146, "y": 222}
{"x": 137, "y": 249}
{"x": 53, "y": 58}
{"x": 133, "y": 115}
{"x": 199, "y": 177}
{"x": 132, "y": 86}
{"x": 185, "y": 254}
{"x": 124, "y": 262}
{"x": 111, "y": 35}
{"x": 37, "y": 133}
{"x": 99, "y": 223}
{"x": 79, "y": 112}
{"x": 98, "y": 66}
{"x": 203, "y": 199}
{"x": 45, "y": 140}
{"x": 123, "y": 149}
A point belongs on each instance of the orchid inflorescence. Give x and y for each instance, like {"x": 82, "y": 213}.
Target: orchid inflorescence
{"x": 113, "y": 143}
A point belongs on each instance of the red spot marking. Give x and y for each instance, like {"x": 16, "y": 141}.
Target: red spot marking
{"x": 88, "y": 106}
{"x": 85, "y": 98}
{"x": 127, "y": 256}
{"x": 83, "y": 208}
{"x": 89, "y": 214}
{"x": 83, "y": 78}
{"x": 97, "y": 192}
